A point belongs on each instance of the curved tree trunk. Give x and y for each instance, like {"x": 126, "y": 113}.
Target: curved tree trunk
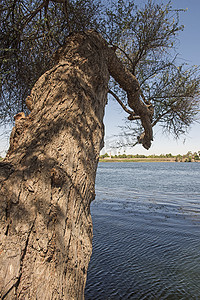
{"x": 47, "y": 179}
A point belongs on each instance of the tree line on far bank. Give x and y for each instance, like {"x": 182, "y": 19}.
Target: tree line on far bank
{"x": 188, "y": 157}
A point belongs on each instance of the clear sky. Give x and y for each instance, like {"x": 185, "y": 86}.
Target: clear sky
{"x": 189, "y": 49}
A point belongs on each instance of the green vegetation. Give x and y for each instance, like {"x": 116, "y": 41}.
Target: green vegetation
{"x": 189, "y": 157}
{"x": 104, "y": 155}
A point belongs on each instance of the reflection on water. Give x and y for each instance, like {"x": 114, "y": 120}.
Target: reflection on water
{"x": 146, "y": 220}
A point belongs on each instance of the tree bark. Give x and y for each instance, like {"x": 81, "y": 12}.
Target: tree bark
{"x": 47, "y": 179}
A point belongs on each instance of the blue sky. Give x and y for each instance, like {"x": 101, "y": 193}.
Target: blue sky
{"x": 189, "y": 50}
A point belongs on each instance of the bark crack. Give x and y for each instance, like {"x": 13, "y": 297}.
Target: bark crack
{"x": 10, "y": 289}
{"x": 16, "y": 285}
{"x": 7, "y": 229}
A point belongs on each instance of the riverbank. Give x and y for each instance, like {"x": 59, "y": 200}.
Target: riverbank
{"x": 147, "y": 159}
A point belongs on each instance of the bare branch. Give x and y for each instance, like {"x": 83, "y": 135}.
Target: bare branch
{"x": 127, "y": 56}
{"x": 121, "y": 103}
{"x": 34, "y": 13}
{"x": 130, "y": 84}
{"x": 160, "y": 117}
{"x": 58, "y": 1}
{"x": 66, "y": 10}
{"x": 132, "y": 115}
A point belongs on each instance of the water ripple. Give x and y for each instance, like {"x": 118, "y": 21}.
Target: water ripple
{"x": 146, "y": 241}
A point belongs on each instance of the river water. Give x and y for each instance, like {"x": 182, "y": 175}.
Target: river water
{"x": 146, "y": 222}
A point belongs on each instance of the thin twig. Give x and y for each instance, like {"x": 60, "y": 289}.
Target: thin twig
{"x": 127, "y": 56}
{"x": 121, "y": 103}
{"x": 147, "y": 102}
{"x": 160, "y": 117}
{"x": 33, "y": 14}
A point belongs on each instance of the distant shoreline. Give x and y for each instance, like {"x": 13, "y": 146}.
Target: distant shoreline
{"x": 147, "y": 159}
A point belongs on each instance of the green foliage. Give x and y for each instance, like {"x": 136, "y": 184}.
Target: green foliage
{"x": 188, "y": 157}
{"x": 139, "y": 156}
{"x": 122, "y": 156}
{"x": 104, "y": 155}
{"x": 179, "y": 158}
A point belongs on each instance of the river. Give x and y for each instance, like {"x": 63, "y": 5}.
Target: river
{"x": 146, "y": 223}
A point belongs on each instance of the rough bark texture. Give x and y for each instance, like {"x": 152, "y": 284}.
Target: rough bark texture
{"x": 47, "y": 179}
